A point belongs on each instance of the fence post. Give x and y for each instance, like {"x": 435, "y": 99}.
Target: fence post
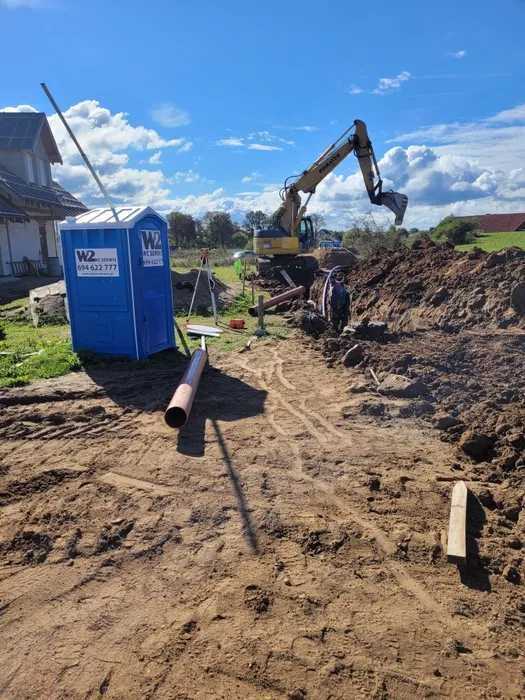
{"x": 261, "y": 330}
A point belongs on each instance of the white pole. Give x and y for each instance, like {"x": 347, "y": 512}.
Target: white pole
{"x": 80, "y": 150}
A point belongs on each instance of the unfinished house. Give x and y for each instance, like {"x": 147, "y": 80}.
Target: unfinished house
{"x": 31, "y": 203}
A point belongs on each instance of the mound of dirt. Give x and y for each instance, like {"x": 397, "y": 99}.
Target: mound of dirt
{"x": 474, "y": 386}
{"x": 437, "y": 287}
{"x": 184, "y": 283}
{"x": 456, "y": 325}
{"x": 331, "y": 257}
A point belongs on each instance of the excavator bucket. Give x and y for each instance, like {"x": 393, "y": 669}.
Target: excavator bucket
{"x": 397, "y": 203}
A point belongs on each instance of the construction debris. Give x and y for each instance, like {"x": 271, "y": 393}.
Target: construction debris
{"x": 354, "y": 356}
{"x": 294, "y": 293}
{"x": 200, "y": 330}
{"x": 48, "y": 305}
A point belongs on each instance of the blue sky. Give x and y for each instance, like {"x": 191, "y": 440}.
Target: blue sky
{"x": 210, "y": 105}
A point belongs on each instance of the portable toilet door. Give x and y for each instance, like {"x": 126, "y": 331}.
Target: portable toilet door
{"x": 150, "y": 262}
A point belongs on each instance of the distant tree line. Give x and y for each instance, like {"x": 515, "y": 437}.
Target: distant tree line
{"x": 214, "y": 230}
{"x": 217, "y": 230}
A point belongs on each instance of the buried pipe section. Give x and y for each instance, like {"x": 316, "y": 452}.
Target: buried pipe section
{"x": 285, "y": 296}
{"x": 180, "y": 405}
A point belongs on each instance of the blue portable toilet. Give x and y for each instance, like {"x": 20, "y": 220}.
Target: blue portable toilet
{"x": 118, "y": 281}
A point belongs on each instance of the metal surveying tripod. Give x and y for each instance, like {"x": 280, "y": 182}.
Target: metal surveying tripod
{"x": 205, "y": 266}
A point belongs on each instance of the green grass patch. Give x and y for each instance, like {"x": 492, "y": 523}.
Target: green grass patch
{"x": 230, "y": 340}
{"x": 491, "y": 242}
{"x": 226, "y": 273}
{"x": 28, "y": 353}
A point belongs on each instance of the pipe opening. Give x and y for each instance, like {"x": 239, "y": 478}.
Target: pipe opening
{"x": 175, "y": 417}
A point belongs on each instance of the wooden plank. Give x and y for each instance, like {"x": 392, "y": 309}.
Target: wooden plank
{"x": 182, "y": 339}
{"x": 374, "y": 376}
{"x": 457, "y": 526}
{"x": 289, "y": 281}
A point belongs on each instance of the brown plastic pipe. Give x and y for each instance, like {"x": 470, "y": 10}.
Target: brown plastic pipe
{"x": 180, "y": 405}
{"x": 285, "y": 296}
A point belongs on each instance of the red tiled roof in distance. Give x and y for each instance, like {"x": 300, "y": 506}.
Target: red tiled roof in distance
{"x": 492, "y": 223}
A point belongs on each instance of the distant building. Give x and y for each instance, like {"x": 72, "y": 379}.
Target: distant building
{"x": 493, "y": 223}
{"x": 30, "y": 201}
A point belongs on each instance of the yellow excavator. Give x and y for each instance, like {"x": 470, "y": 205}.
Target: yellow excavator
{"x": 291, "y": 232}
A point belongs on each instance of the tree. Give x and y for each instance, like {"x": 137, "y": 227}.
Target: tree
{"x": 218, "y": 229}
{"x": 255, "y": 220}
{"x": 366, "y": 236}
{"x": 239, "y": 239}
{"x": 317, "y": 221}
{"x": 182, "y": 231}
{"x": 454, "y": 230}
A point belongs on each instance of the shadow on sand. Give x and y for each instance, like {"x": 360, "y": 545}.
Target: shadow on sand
{"x": 474, "y": 574}
{"x": 149, "y": 387}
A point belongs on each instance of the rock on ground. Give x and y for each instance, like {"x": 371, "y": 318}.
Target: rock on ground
{"x": 403, "y": 387}
{"x": 48, "y": 304}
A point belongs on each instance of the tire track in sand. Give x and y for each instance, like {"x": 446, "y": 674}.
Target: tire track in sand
{"x": 407, "y": 582}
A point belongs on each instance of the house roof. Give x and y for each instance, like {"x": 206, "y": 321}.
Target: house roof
{"x": 103, "y": 218}
{"x": 20, "y": 131}
{"x": 9, "y": 210}
{"x": 28, "y": 195}
{"x": 492, "y": 223}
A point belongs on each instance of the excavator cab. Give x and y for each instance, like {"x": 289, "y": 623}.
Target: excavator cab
{"x": 307, "y": 235}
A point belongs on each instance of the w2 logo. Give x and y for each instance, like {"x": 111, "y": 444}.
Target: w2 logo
{"x": 151, "y": 240}
{"x": 85, "y": 255}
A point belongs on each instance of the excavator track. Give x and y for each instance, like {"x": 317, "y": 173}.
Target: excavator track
{"x": 301, "y": 268}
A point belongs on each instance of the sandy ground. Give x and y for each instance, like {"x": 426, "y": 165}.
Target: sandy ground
{"x": 285, "y": 545}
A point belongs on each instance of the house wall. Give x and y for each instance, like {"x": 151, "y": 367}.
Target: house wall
{"x": 4, "y": 251}
{"x": 25, "y": 240}
{"x": 41, "y": 165}
{"x": 51, "y": 239}
{"x": 14, "y": 161}
{"x": 25, "y": 243}
{"x": 17, "y": 163}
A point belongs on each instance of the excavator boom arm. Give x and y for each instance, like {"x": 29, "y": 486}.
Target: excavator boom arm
{"x": 291, "y": 211}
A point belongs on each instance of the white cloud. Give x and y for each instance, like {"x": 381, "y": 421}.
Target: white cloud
{"x": 19, "y": 108}
{"x": 497, "y": 142}
{"x": 263, "y": 147}
{"x": 459, "y": 168}
{"x": 354, "y": 89}
{"x": 308, "y": 128}
{"x": 169, "y": 115}
{"x": 231, "y": 141}
{"x": 516, "y": 114}
{"x": 269, "y": 142}
{"x": 188, "y": 176}
{"x": 456, "y": 168}
{"x": 109, "y": 140}
{"x": 458, "y": 54}
{"x": 386, "y": 85}
{"x": 103, "y": 133}
{"x": 252, "y": 177}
